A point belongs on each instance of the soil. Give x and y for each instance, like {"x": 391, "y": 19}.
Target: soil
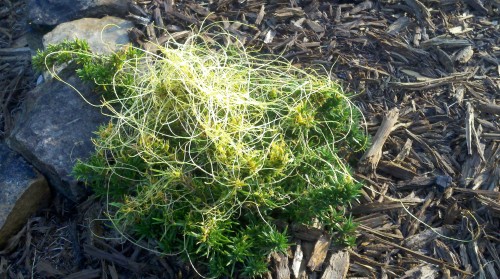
{"x": 426, "y": 77}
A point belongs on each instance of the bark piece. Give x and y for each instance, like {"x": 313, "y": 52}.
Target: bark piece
{"x": 404, "y": 151}
{"x": 420, "y": 11}
{"x": 416, "y": 183}
{"x": 372, "y": 156}
{"x": 116, "y": 258}
{"x": 471, "y": 133}
{"x": 337, "y": 265}
{"x": 365, "y": 5}
{"x": 319, "y": 253}
{"x": 433, "y": 83}
{"x": 306, "y": 233}
{"x": 261, "y": 15}
{"x": 398, "y": 25}
{"x": 297, "y": 261}
{"x": 477, "y": 5}
{"x": 464, "y": 55}
{"x": 281, "y": 270}
{"x": 396, "y": 170}
{"x": 415, "y": 223}
{"x": 316, "y": 27}
{"x": 439, "y": 159}
{"x": 375, "y": 207}
{"x": 418, "y": 255}
{"x": 445, "y": 60}
{"x": 422, "y": 239}
{"x": 445, "y": 42}
{"x": 489, "y": 108}
{"x": 422, "y": 272}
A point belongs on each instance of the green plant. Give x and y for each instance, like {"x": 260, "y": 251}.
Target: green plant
{"x": 209, "y": 145}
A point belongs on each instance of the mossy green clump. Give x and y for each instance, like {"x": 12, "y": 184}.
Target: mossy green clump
{"x": 209, "y": 145}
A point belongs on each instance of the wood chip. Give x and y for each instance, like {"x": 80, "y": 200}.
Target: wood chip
{"x": 20, "y": 51}
{"x": 438, "y": 158}
{"x": 281, "y": 270}
{"x": 316, "y": 27}
{"x": 471, "y": 134}
{"x": 158, "y": 18}
{"x": 338, "y": 265}
{"x": 404, "y": 151}
{"x": 398, "y": 25}
{"x": 421, "y": 256}
{"x": 445, "y": 253}
{"x": 285, "y": 13}
{"x": 118, "y": 259}
{"x": 371, "y": 158}
{"x": 469, "y": 127}
{"x": 489, "y": 108}
{"x": 319, "y": 253}
{"x": 417, "y": 182}
{"x": 414, "y": 223}
{"x": 396, "y": 170}
{"x": 432, "y": 83}
{"x": 445, "y": 42}
{"x": 421, "y": 11}
{"x": 445, "y": 60}
{"x": 45, "y": 268}
{"x": 458, "y": 93}
{"x": 306, "y": 233}
{"x": 85, "y": 274}
{"x": 365, "y": 5}
{"x": 260, "y": 16}
{"x": 376, "y": 207}
{"x": 297, "y": 266}
{"x": 269, "y": 37}
{"x": 464, "y": 55}
{"x": 478, "y": 6}
{"x": 421, "y": 272}
{"x": 424, "y": 238}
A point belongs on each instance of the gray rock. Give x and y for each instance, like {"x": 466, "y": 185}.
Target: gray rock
{"x": 54, "y": 12}
{"x": 54, "y": 129}
{"x": 104, "y": 35}
{"x": 22, "y": 192}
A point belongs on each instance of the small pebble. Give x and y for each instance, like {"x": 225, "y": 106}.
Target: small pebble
{"x": 39, "y": 80}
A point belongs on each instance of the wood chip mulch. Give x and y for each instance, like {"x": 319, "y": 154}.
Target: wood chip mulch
{"x": 16, "y": 76}
{"x": 426, "y": 75}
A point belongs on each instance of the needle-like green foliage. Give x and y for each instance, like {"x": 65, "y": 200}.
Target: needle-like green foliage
{"x": 209, "y": 145}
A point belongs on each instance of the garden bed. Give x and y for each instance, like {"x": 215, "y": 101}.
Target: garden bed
{"x": 426, "y": 77}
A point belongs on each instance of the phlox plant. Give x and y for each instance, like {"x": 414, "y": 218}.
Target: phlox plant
{"x": 209, "y": 145}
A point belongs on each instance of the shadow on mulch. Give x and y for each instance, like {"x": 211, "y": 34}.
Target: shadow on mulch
{"x": 80, "y": 243}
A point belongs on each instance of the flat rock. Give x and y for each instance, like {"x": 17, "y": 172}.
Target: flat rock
{"x": 54, "y": 12}
{"x": 22, "y": 192}
{"x": 104, "y": 35}
{"x": 54, "y": 129}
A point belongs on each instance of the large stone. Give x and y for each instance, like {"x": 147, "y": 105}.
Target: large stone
{"x": 54, "y": 12}
{"x": 22, "y": 192}
{"x": 54, "y": 129}
{"x": 104, "y": 35}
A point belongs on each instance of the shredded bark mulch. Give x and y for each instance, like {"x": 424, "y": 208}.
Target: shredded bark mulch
{"x": 426, "y": 76}
{"x": 15, "y": 62}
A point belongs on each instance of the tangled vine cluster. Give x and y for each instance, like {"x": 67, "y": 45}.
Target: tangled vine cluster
{"x": 208, "y": 145}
